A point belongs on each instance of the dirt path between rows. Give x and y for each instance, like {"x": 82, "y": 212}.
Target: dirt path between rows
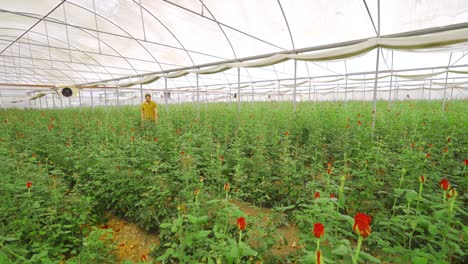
{"x": 134, "y": 243}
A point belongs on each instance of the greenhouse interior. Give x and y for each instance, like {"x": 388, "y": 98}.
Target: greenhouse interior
{"x": 222, "y": 131}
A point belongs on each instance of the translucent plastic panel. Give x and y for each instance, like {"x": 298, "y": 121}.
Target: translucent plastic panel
{"x": 36, "y": 7}
{"x": 403, "y": 15}
{"x": 124, "y": 14}
{"x": 194, "y": 32}
{"x": 262, "y": 19}
{"x": 245, "y": 46}
{"x": 409, "y": 60}
{"x": 125, "y": 47}
{"x": 12, "y": 21}
{"x": 319, "y": 22}
{"x": 167, "y": 56}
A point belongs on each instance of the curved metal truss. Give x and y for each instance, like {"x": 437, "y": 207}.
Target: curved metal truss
{"x": 80, "y": 42}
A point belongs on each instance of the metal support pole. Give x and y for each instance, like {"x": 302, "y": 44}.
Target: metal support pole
{"x": 238, "y": 91}
{"x": 446, "y": 78}
{"x": 53, "y": 101}
{"x": 40, "y": 102}
{"x": 278, "y": 90}
{"x": 92, "y": 101}
{"x": 294, "y": 90}
{"x": 165, "y": 95}
{"x": 117, "y": 94}
{"x": 430, "y": 86}
{"x": 374, "y": 108}
{"x": 141, "y": 93}
{"x": 198, "y": 96}
{"x": 346, "y": 84}
{"x": 252, "y": 92}
{"x": 105, "y": 98}
{"x": 391, "y": 80}
{"x": 46, "y": 101}
{"x": 310, "y": 84}
{"x": 79, "y": 97}
{"x": 69, "y": 101}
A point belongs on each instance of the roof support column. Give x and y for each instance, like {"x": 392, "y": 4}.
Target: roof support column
{"x": 446, "y": 78}
{"x": 165, "y": 95}
{"x": 92, "y": 101}
{"x": 295, "y": 81}
{"x": 238, "y": 91}
{"x": 391, "y": 81}
{"x": 198, "y": 96}
{"x": 374, "y": 108}
{"x": 79, "y": 97}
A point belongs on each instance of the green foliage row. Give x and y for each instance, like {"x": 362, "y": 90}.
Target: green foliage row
{"x": 103, "y": 160}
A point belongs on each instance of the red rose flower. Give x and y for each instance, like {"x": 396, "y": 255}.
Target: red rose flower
{"x": 445, "y": 150}
{"x": 332, "y": 196}
{"x": 359, "y": 122}
{"x": 241, "y": 224}
{"x": 466, "y": 162}
{"x": 430, "y": 145}
{"x": 422, "y": 179}
{"x": 319, "y": 230}
{"x": 286, "y": 133}
{"x": 444, "y": 184}
{"x": 226, "y": 187}
{"x": 316, "y": 195}
{"x": 329, "y": 164}
{"x": 428, "y": 155}
{"x": 28, "y": 184}
{"x": 362, "y": 224}
{"x": 329, "y": 170}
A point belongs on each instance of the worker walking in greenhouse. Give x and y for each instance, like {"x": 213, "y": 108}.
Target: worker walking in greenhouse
{"x": 149, "y": 110}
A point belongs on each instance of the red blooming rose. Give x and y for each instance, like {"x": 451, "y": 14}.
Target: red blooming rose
{"x": 422, "y": 179}
{"x": 316, "y": 195}
{"x": 226, "y": 187}
{"x": 241, "y": 224}
{"x": 28, "y": 184}
{"x": 362, "y": 224}
{"x": 318, "y": 230}
{"x": 444, "y": 184}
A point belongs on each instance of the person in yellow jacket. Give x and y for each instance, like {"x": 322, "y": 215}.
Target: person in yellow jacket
{"x": 149, "y": 110}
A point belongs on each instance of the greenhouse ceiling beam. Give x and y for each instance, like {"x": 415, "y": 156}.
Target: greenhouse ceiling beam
{"x": 340, "y": 75}
{"x": 35, "y": 24}
{"x": 303, "y": 50}
{"x": 53, "y": 20}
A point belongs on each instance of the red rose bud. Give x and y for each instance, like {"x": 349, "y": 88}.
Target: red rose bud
{"x": 362, "y": 224}
{"x": 452, "y": 193}
{"x": 143, "y": 258}
{"x": 430, "y": 145}
{"x": 319, "y": 230}
{"x": 329, "y": 171}
{"x": 241, "y": 224}
{"x": 359, "y": 122}
{"x": 316, "y": 195}
{"x": 196, "y": 192}
{"x": 422, "y": 179}
{"x": 466, "y": 162}
{"x": 449, "y": 139}
{"x": 132, "y": 138}
{"x": 286, "y": 133}
{"x": 428, "y": 155}
{"x": 332, "y": 196}
{"x": 226, "y": 187}
{"x": 444, "y": 184}
{"x": 445, "y": 150}
{"x": 329, "y": 164}
{"x": 412, "y": 145}
{"x": 28, "y": 184}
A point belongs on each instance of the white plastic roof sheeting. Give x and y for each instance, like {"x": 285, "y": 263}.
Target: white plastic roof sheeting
{"x": 45, "y": 43}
